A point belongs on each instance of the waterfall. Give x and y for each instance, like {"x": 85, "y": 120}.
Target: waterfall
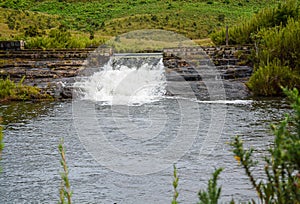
{"x": 126, "y": 79}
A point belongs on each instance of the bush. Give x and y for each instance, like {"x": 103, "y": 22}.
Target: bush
{"x": 266, "y": 81}
{"x": 32, "y": 31}
{"x": 281, "y": 43}
{"x": 266, "y": 18}
{"x": 7, "y": 88}
{"x": 58, "y": 38}
{"x": 275, "y": 32}
{"x": 280, "y": 46}
{"x": 212, "y": 195}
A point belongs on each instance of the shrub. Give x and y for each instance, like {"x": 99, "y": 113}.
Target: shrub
{"x": 267, "y": 18}
{"x": 282, "y": 43}
{"x": 7, "y": 88}
{"x": 280, "y": 46}
{"x": 275, "y": 32}
{"x": 212, "y": 195}
{"x": 154, "y": 18}
{"x": 221, "y": 17}
{"x": 266, "y": 81}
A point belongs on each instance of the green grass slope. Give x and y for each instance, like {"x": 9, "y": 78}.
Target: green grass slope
{"x": 192, "y": 18}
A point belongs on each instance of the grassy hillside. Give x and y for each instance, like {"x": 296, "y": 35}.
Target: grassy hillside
{"x": 195, "y": 19}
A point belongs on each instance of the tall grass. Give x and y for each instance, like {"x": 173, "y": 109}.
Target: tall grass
{"x": 283, "y": 43}
{"x": 275, "y": 33}
{"x": 246, "y": 32}
{"x": 278, "y": 59}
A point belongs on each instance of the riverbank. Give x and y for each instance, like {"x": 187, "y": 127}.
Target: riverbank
{"x": 11, "y": 91}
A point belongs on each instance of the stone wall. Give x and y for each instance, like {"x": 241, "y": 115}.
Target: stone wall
{"x": 55, "y": 70}
{"x": 202, "y": 66}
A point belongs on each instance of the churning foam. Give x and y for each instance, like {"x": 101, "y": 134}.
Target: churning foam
{"x": 121, "y": 84}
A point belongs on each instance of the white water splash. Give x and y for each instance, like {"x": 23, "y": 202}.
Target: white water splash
{"x": 238, "y": 102}
{"x": 124, "y": 85}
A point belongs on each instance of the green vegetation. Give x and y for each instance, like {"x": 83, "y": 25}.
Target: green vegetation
{"x": 175, "y": 184}
{"x": 275, "y": 34}
{"x": 141, "y": 40}
{"x": 10, "y": 91}
{"x": 277, "y": 58}
{"x": 281, "y": 43}
{"x": 103, "y": 19}
{"x": 61, "y": 38}
{"x": 212, "y": 195}
{"x": 267, "y": 79}
{"x": 249, "y": 30}
{"x": 65, "y": 192}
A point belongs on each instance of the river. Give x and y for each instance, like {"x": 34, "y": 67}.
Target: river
{"x": 31, "y": 162}
{"x": 123, "y": 134}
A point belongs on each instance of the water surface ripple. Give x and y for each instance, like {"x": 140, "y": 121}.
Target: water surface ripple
{"x": 31, "y": 161}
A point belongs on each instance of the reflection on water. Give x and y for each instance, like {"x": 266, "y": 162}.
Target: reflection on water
{"x": 31, "y": 160}
{"x": 18, "y": 112}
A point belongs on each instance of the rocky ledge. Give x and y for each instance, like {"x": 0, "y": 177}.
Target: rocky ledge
{"x": 212, "y": 73}
{"x": 54, "y": 71}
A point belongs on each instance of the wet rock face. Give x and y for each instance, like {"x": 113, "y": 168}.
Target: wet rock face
{"x": 204, "y": 69}
{"x": 53, "y": 71}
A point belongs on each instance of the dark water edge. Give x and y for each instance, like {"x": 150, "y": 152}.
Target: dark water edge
{"x": 31, "y": 161}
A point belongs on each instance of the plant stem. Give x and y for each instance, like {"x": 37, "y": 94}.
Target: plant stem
{"x": 65, "y": 187}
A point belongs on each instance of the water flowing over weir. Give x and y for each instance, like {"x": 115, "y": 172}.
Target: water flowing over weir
{"x": 133, "y": 115}
{"x": 126, "y": 79}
